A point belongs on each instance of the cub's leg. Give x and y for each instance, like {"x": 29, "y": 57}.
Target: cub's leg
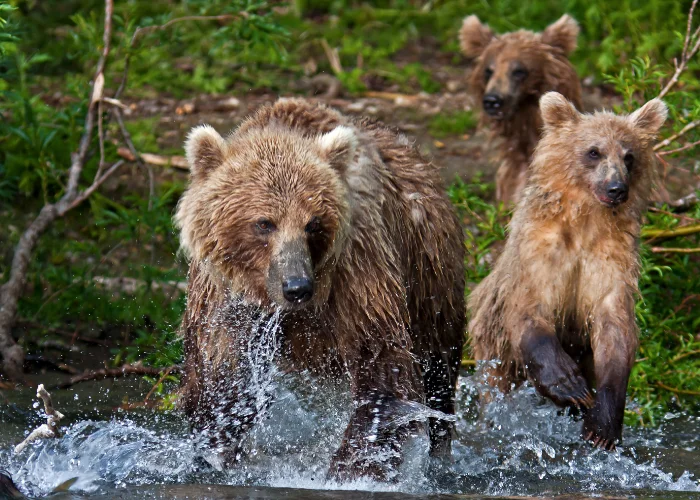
{"x": 552, "y": 371}
{"x": 614, "y": 342}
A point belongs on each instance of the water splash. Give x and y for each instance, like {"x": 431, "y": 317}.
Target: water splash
{"x": 521, "y": 445}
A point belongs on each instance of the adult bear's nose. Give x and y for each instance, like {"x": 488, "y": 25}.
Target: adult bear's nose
{"x": 298, "y": 289}
{"x": 493, "y": 104}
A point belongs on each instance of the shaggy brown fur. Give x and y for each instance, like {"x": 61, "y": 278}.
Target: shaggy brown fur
{"x": 561, "y": 297}
{"x": 302, "y": 194}
{"x": 511, "y": 72}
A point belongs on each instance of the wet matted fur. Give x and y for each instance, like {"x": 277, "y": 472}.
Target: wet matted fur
{"x": 301, "y": 193}
{"x": 517, "y": 68}
{"x": 558, "y": 307}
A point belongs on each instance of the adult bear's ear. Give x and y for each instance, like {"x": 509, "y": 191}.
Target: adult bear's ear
{"x": 557, "y": 110}
{"x": 205, "y": 150}
{"x": 338, "y": 146}
{"x": 474, "y": 37}
{"x": 649, "y": 118}
{"x": 562, "y": 34}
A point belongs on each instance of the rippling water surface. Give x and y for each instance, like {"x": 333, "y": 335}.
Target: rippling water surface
{"x": 523, "y": 447}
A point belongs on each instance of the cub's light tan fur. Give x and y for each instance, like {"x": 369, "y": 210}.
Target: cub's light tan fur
{"x": 570, "y": 264}
{"x": 545, "y": 58}
{"x": 388, "y": 306}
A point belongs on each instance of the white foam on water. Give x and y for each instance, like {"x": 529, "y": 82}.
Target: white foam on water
{"x": 520, "y": 445}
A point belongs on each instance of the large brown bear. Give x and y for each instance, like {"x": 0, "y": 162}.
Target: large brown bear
{"x": 558, "y": 308}
{"x": 511, "y": 72}
{"x": 332, "y": 242}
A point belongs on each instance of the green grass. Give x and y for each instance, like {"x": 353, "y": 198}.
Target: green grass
{"x": 49, "y": 49}
{"x": 458, "y": 123}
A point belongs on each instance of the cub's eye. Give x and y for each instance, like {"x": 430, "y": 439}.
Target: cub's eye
{"x": 520, "y": 74}
{"x": 264, "y": 226}
{"x": 488, "y": 73}
{"x": 314, "y": 226}
{"x": 594, "y": 154}
{"x": 629, "y": 160}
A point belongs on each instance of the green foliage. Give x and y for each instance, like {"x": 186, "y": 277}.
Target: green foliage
{"x": 47, "y": 55}
{"x": 456, "y": 123}
{"x": 484, "y": 222}
{"x": 667, "y": 373}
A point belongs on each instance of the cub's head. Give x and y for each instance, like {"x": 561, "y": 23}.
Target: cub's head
{"x": 266, "y": 209}
{"x": 517, "y": 67}
{"x": 602, "y": 157}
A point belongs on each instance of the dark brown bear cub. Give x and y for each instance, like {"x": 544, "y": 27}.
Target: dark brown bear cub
{"x": 558, "y": 308}
{"x": 341, "y": 233}
{"x": 511, "y": 72}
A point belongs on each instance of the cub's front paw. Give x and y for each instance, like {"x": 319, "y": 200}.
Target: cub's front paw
{"x": 562, "y": 382}
{"x": 602, "y": 425}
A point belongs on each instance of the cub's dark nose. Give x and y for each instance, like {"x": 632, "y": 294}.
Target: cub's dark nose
{"x": 617, "y": 191}
{"x": 493, "y": 104}
{"x": 298, "y": 289}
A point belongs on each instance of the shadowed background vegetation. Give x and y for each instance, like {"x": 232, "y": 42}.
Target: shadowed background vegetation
{"x": 105, "y": 276}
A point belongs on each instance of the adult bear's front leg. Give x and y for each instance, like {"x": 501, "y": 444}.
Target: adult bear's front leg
{"x": 385, "y": 389}
{"x": 228, "y": 375}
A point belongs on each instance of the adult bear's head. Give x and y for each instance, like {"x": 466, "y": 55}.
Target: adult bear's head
{"x": 266, "y": 208}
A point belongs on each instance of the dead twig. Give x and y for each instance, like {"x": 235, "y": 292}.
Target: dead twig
{"x": 687, "y": 54}
{"x": 673, "y": 214}
{"x": 155, "y": 386}
{"x": 50, "y": 429}
{"x": 397, "y": 97}
{"x": 681, "y": 204}
{"x": 658, "y": 234}
{"x": 466, "y": 363}
{"x": 685, "y": 147}
{"x": 122, "y": 371}
{"x": 675, "y": 136}
{"x": 677, "y": 391}
{"x": 179, "y": 162}
{"x": 333, "y": 57}
{"x": 130, "y": 286}
{"x": 132, "y": 149}
{"x": 12, "y": 354}
{"x": 674, "y": 250}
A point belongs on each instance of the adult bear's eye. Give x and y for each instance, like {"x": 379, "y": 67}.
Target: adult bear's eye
{"x": 314, "y": 226}
{"x": 594, "y": 154}
{"x": 264, "y": 226}
{"x": 629, "y": 161}
{"x": 488, "y": 73}
{"x": 520, "y": 74}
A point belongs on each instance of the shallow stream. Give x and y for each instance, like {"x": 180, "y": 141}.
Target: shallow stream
{"x": 524, "y": 447}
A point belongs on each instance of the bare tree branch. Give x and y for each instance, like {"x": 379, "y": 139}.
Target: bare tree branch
{"x": 122, "y": 371}
{"x": 144, "y": 166}
{"x": 179, "y": 162}
{"x": 48, "y": 430}
{"x": 686, "y": 55}
{"x": 685, "y": 147}
{"x": 11, "y": 353}
{"x": 678, "y": 135}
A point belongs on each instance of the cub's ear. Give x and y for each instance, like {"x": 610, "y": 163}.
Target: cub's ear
{"x": 338, "y": 146}
{"x": 562, "y": 34}
{"x": 474, "y": 37}
{"x": 650, "y": 117}
{"x": 557, "y": 110}
{"x": 205, "y": 150}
